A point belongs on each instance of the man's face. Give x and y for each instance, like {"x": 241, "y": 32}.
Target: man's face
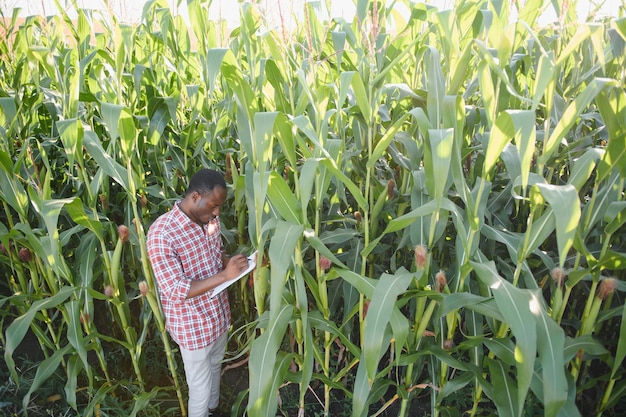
{"x": 206, "y": 207}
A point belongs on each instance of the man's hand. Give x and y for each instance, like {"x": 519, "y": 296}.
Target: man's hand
{"x": 235, "y": 266}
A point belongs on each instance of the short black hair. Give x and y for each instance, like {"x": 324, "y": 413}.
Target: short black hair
{"x": 205, "y": 180}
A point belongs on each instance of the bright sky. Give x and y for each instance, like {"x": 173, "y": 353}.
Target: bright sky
{"x": 131, "y": 10}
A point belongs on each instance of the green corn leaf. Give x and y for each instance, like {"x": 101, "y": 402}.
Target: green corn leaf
{"x": 488, "y": 91}
{"x": 536, "y": 234}
{"x": 283, "y": 362}
{"x": 566, "y": 208}
{"x": 111, "y": 115}
{"x": 422, "y": 120}
{"x": 17, "y": 329}
{"x": 615, "y": 217}
{"x": 11, "y": 189}
{"x": 71, "y": 132}
{"x": 202, "y": 26}
{"x": 339, "y": 44}
{"x": 277, "y": 79}
{"x": 583, "y": 33}
{"x": 594, "y": 213}
{"x": 43, "y": 57}
{"x": 585, "y": 343}
{"x": 545, "y": 80}
{"x": 570, "y": 408}
{"x": 360, "y": 95}
{"x": 525, "y": 137}
{"x": 487, "y": 308}
{"x": 309, "y": 343}
{"x": 361, "y": 390}
{"x": 620, "y": 352}
{"x": 93, "y": 408}
{"x": 569, "y": 117}
{"x": 345, "y": 79}
{"x": 74, "y": 367}
{"x": 382, "y": 146}
{"x": 324, "y": 176}
{"x": 340, "y": 236}
{"x": 477, "y": 204}
{"x": 515, "y": 307}
{"x": 76, "y": 210}
{"x": 502, "y": 133}
{"x": 436, "y": 87}
{"x": 457, "y": 301}
{"x": 366, "y": 286}
{"x": 243, "y": 92}
{"x": 454, "y": 384}
{"x": 387, "y": 290}
{"x": 306, "y": 97}
{"x": 75, "y": 334}
{"x": 281, "y": 253}
{"x": 264, "y": 355}
{"x": 159, "y": 115}
{"x": 307, "y": 176}
{"x": 44, "y": 371}
{"x": 437, "y": 161}
{"x": 304, "y": 124}
{"x": 8, "y": 113}
{"x": 255, "y": 193}
{"x": 550, "y": 348}
{"x": 454, "y": 115}
{"x": 318, "y": 322}
{"x": 317, "y": 244}
{"x": 529, "y": 13}
{"x": 285, "y": 137}
{"x": 143, "y": 400}
{"x": 362, "y": 9}
{"x": 584, "y": 167}
{"x": 518, "y": 125}
{"x": 615, "y": 157}
{"x": 384, "y": 142}
{"x": 354, "y": 189}
{"x": 400, "y": 326}
{"x": 263, "y": 143}
{"x": 282, "y": 199}
{"x": 505, "y": 390}
{"x": 445, "y": 357}
{"x": 612, "y": 107}
{"x": 107, "y": 164}
{"x": 405, "y": 220}
{"x": 461, "y": 69}
{"x": 504, "y": 349}
{"x": 214, "y": 59}
{"x": 49, "y": 211}
{"x": 127, "y": 132}
{"x": 512, "y": 240}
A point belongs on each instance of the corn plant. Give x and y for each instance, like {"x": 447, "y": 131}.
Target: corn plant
{"x": 437, "y": 198}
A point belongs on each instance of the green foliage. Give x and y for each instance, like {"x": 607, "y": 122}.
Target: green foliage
{"x": 438, "y": 202}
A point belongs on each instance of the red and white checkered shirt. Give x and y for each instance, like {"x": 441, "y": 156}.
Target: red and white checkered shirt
{"x": 180, "y": 251}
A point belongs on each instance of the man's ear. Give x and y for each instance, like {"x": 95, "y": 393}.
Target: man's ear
{"x": 195, "y": 196}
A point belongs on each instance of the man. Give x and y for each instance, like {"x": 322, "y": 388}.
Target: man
{"x": 187, "y": 256}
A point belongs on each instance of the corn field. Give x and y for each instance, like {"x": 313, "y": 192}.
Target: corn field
{"x": 438, "y": 198}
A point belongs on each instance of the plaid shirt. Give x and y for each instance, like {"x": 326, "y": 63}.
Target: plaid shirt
{"x": 181, "y": 251}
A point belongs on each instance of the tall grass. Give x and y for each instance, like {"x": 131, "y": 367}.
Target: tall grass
{"x": 438, "y": 202}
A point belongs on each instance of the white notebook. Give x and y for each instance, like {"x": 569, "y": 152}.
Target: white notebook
{"x": 224, "y": 285}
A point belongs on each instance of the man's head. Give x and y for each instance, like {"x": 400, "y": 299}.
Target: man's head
{"x": 205, "y": 196}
